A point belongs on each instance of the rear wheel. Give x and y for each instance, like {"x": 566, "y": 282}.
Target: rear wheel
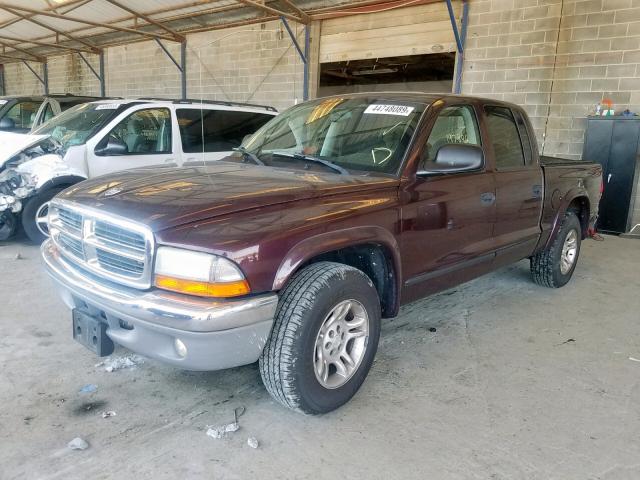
{"x": 324, "y": 338}
{"x": 554, "y": 266}
{"x": 35, "y": 213}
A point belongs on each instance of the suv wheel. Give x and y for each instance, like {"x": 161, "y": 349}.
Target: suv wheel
{"x": 554, "y": 266}
{"x": 34, "y": 215}
{"x": 324, "y": 338}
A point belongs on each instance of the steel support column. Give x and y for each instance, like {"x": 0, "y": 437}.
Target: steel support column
{"x": 182, "y": 66}
{"x": 103, "y": 89}
{"x": 461, "y": 37}
{"x": 304, "y": 56}
{"x": 99, "y": 76}
{"x": 44, "y": 79}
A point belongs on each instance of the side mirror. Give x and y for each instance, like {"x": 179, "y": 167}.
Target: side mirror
{"x": 454, "y": 158}
{"x": 7, "y": 123}
{"x": 111, "y": 147}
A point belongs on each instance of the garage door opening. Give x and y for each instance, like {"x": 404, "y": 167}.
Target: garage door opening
{"x": 424, "y": 73}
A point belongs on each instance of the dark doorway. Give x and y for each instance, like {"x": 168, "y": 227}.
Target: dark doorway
{"x": 425, "y": 73}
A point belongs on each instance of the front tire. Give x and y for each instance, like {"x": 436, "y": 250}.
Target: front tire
{"x": 554, "y": 266}
{"x": 323, "y": 340}
{"x": 34, "y": 215}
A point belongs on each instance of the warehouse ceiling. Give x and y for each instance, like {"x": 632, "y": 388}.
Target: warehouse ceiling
{"x": 35, "y": 29}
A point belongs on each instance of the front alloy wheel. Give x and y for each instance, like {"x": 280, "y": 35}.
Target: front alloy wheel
{"x": 324, "y": 337}
{"x": 42, "y": 219}
{"x": 341, "y": 344}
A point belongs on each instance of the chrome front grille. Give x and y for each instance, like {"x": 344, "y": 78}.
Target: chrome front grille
{"x": 109, "y": 246}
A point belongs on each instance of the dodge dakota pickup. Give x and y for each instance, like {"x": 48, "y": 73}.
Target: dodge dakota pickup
{"x": 291, "y": 250}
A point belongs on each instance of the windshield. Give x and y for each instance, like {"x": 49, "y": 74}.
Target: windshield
{"x": 359, "y": 135}
{"x": 77, "y": 124}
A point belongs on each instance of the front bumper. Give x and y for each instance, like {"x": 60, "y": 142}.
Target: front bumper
{"x": 217, "y": 333}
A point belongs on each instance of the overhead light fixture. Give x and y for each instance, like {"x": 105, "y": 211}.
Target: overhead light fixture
{"x": 374, "y": 71}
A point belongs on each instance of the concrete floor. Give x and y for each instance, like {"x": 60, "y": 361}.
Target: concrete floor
{"x": 497, "y": 392}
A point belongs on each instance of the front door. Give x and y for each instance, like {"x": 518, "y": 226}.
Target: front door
{"x": 146, "y": 137}
{"x": 448, "y": 222}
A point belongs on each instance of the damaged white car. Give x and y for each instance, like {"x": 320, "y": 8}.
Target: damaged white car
{"x": 103, "y": 137}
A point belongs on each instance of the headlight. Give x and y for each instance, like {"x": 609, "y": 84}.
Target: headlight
{"x": 197, "y": 273}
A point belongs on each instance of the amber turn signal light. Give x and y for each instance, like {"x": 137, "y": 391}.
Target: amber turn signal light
{"x": 203, "y": 289}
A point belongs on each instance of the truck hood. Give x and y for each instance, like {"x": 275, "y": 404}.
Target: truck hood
{"x": 166, "y": 197}
{"x": 13, "y": 143}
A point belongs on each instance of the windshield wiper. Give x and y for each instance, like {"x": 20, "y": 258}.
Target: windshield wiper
{"x": 247, "y": 154}
{"x": 310, "y": 158}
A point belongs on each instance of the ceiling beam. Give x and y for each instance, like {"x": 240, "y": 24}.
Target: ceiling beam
{"x": 88, "y": 22}
{"x": 12, "y": 57}
{"x": 73, "y": 4}
{"x": 58, "y": 32}
{"x": 44, "y": 44}
{"x": 176, "y": 36}
{"x": 271, "y": 10}
{"x": 303, "y": 15}
{"x": 36, "y": 58}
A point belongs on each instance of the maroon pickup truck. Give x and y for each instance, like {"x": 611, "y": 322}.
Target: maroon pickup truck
{"x": 329, "y": 218}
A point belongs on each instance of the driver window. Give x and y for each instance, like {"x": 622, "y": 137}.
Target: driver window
{"x": 23, "y": 114}
{"x": 454, "y": 125}
{"x": 145, "y": 132}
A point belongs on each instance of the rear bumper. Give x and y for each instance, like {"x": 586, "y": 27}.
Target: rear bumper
{"x": 217, "y": 333}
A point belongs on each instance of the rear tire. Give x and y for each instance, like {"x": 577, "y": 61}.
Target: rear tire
{"x": 554, "y": 266}
{"x": 323, "y": 340}
{"x": 32, "y": 215}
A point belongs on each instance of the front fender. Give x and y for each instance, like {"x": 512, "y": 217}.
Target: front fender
{"x": 311, "y": 247}
{"x": 49, "y": 169}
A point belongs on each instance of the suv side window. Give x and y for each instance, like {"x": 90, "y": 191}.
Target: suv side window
{"x": 23, "y": 114}
{"x": 455, "y": 125}
{"x": 504, "y": 136}
{"x": 145, "y": 132}
{"x": 223, "y": 130}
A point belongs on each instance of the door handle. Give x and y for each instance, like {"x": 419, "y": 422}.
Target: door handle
{"x": 487, "y": 198}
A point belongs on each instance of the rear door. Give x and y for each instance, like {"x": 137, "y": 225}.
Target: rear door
{"x": 519, "y": 182}
{"x": 208, "y": 134}
{"x": 147, "y": 134}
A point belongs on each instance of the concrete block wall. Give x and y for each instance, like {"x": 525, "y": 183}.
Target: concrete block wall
{"x": 511, "y": 55}
{"x": 19, "y": 80}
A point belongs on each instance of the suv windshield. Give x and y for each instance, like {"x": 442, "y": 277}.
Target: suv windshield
{"x": 359, "y": 135}
{"x": 77, "y": 124}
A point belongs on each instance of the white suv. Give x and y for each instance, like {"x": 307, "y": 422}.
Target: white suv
{"x": 107, "y": 136}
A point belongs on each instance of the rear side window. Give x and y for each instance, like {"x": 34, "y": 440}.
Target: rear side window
{"x": 504, "y": 137}
{"x": 223, "y": 130}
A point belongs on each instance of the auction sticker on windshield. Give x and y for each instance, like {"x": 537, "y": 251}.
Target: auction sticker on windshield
{"x": 107, "y": 106}
{"x": 380, "y": 109}
{"x": 2, "y": 102}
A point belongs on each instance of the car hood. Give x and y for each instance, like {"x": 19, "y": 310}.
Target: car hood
{"x": 166, "y": 197}
{"x": 13, "y": 143}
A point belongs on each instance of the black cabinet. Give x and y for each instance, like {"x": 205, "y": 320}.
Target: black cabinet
{"x": 613, "y": 142}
